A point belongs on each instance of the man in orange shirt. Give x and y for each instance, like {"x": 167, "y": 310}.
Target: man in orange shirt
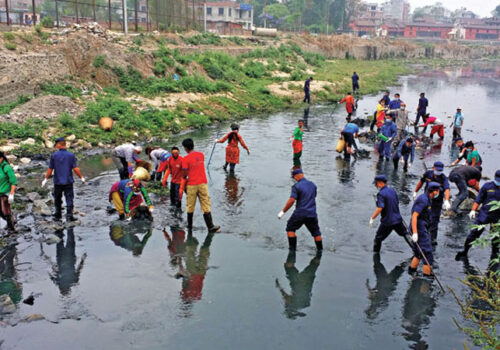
{"x": 349, "y": 104}
{"x": 173, "y": 166}
{"x": 194, "y": 176}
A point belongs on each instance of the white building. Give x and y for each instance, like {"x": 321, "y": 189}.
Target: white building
{"x": 229, "y": 17}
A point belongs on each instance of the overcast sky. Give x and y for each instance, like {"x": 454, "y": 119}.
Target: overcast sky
{"x": 481, "y": 7}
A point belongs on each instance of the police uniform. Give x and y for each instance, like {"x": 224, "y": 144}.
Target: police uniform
{"x": 390, "y": 131}
{"x": 461, "y": 176}
{"x": 489, "y": 192}
{"x": 405, "y": 151}
{"x": 437, "y": 202}
{"x": 62, "y": 163}
{"x": 304, "y": 192}
{"x": 423, "y": 206}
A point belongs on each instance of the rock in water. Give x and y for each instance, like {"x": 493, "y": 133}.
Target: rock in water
{"x": 41, "y": 208}
{"x": 33, "y": 196}
{"x": 51, "y": 239}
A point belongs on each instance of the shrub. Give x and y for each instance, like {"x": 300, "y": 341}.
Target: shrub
{"x": 203, "y": 39}
{"x": 5, "y": 109}
{"x": 10, "y": 46}
{"x": 60, "y": 89}
{"x": 297, "y": 75}
{"x": 169, "y": 62}
{"x": 9, "y": 36}
{"x": 254, "y": 69}
{"x": 99, "y": 61}
{"x": 27, "y": 37}
{"x": 137, "y": 40}
{"x": 39, "y": 31}
{"x": 197, "y": 120}
{"x": 67, "y": 121}
{"x": 236, "y": 39}
{"x": 159, "y": 68}
{"x": 47, "y": 22}
{"x": 220, "y": 66}
{"x": 110, "y": 106}
{"x": 181, "y": 71}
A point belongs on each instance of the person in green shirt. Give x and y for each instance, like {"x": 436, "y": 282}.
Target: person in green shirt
{"x": 297, "y": 143}
{"x": 8, "y": 183}
{"x": 473, "y": 157}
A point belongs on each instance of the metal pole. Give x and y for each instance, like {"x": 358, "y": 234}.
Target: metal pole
{"x": 327, "y": 17}
{"x": 109, "y": 13}
{"x": 34, "y": 13}
{"x": 57, "y": 15}
{"x": 125, "y": 19}
{"x": 7, "y": 11}
{"x": 76, "y": 9}
{"x": 147, "y": 15}
{"x": 136, "y": 16}
{"x": 93, "y": 10}
{"x": 205, "y": 16}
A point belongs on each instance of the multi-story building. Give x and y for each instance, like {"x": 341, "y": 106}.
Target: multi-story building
{"x": 229, "y": 17}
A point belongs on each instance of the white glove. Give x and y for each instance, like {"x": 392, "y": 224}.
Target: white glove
{"x": 44, "y": 182}
{"x": 472, "y": 214}
{"x": 414, "y": 237}
{"x": 11, "y": 198}
{"x": 409, "y": 165}
{"x": 447, "y": 205}
{"x": 151, "y": 210}
{"x": 414, "y": 195}
{"x": 83, "y": 180}
{"x": 280, "y": 215}
{"x": 129, "y": 218}
{"x": 371, "y": 222}
{"x": 402, "y": 160}
{"x": 216, "y": 140}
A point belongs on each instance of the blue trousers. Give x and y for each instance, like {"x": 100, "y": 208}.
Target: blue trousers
{"x": 69, "y": 195}
{"x": 462, "y": 191}
{"x": 435, "y": 218}
{"x": 174, "y": 195}
{"x": 424, "y": 241}
{"x": 307, "y": 96}
{"x": 384, "y": 149}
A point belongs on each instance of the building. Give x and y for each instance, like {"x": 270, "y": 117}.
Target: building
{"x": 364, "y": 27}
{"x": 392, "y": 29}
{"x": 397, "y": 10}
{"x": 229, "y": 17}
{"x": 427, "y": 30}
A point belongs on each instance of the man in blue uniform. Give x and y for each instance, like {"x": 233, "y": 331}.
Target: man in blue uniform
{"x": 307, "y": 90}
{"x": 355, "y": 83}
{"x": 464, "y": 176}
{"x": 435, "y": 175}
{"x": 63, "y": 163}
{"x": 421, "y": 213}
{"x": 349, "y": 133}
{"x": 406, "y": 151}
{"x": 423, "y": 103}
{"x": 388, "y": 207}
{"x": 389, "y": 130}
{"x": 489, "y": 193}
{"x": 394, "y": 106}
{"x": 387, "y": 98}
{"x": 304, "y": 195}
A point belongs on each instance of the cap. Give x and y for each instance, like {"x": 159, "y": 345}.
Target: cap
{"x": 378, "y": 178}
{"x": 433, "y": 186}
{"x": 439, "y": 166}
{"x": 497, "y": 175}
{"x": 60, "y": 139}
{"x": 458, "y": 139}
{"x": 297, "y": 171}
{"x": 138, "y": 149}
{"x": 459, "y": 109}
{"x": 136, "y": 182}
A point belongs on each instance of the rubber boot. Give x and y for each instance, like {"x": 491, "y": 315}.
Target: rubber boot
{"x": 462, "y": 255}
{"x": 69, "y": 214}
{"x": 10, "y": 223}
{"x": 414, "y": 264}
{"x": 376, "y": 246}
{"x": 122, "y": 217}
{"x": 434, "y": 238}
{"x": 190, "y": 221}
{"x": 225, "y": 166}
{"x": 292, "y": 243}
{"x": 57, "y": 215}
{"x": 210, "y": 225}
{"x": 319, "y": 245}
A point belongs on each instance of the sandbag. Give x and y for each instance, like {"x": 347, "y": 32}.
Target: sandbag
{"x": 141, "y": 174}
{"x": 340, "y": 145}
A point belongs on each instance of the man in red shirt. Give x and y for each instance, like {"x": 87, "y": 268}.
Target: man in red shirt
{"x": 193, "y": 167}
{"x": 349, "y": 104}
{"x": 173, "y": 166}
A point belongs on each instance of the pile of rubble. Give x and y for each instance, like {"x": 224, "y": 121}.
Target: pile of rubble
{"x": 91, "y": 28}
{"x": 44, "y": 107}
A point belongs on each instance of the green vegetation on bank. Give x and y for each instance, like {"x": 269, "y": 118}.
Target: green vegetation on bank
{"x": 235, "y": 87}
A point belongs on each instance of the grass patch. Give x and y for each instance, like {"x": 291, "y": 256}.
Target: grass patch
{"x": 5, "y": 109}
{"x": 9, "y": 36}
{"x": 60, "y": 89}
{"x": 10, "y": 46}
{"x": 99, "y": 61}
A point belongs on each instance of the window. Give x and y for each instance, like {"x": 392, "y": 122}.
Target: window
{"x": 249, "y": 14}
{"x": 221, "y": 11}
{"x": 143, "y": 8}
{"x": 209, "y": 11}
{"x": 230, "y": 12}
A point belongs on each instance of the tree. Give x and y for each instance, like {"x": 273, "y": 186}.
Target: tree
{"x": 496, "y": 12}
{"x": 279, "y": 12}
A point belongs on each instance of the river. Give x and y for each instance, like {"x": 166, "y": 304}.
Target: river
{"x": 107, "y": 285}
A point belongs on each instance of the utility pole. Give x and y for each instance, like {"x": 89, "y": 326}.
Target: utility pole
{"x": 327, "y": 16}
{"x": 136, "y": 16}
{"x": 57, "y": 15}
{"x": 147, "y": 15}
{"x": 125, "y": 19}
{"x": 7, "y": 11}
{"x": 93, "y": 9}
{"x": 34, "y": 13}
{"x": 109, "y": 13}
{"x": 76, "y": 9}
{"x": 265, "y": 14}
{"x": 204, "y": 16}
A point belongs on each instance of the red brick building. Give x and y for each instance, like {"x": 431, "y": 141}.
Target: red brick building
{"x": 482, "y": 32}
{"x": 427, "y": 30}
{"x": 364, "y": 27}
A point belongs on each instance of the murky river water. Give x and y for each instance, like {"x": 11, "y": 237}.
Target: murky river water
{"x": 109, "y": 286}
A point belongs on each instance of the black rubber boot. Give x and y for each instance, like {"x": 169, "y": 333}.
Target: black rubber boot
{"x": 210, "y": 225}
{"x": 462, "y": 255}
{"x": 434, "y": 238}
{"x": 69, "y": 214}
{"x": 225, "y": 166}
{"x": 292, "y": 243}
{"x": 11, "y": 223}
{"x": 190, "y": 221}
{"x": 376, "y": 246}
{"x": 122, "y": 217}
{"x": 319, "y": 245}
{"x": 57, "y": 215}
